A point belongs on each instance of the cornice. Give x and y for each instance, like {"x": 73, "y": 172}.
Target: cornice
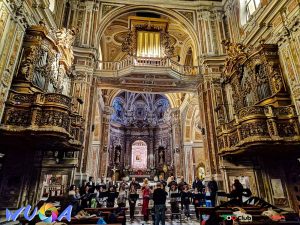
{"x": 174, "y": 4}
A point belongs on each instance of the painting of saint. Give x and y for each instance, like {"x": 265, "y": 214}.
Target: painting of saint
{"x": 138, "y": 158}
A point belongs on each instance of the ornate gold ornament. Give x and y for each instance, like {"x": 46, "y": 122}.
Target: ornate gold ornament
{"x": 261, "y": 110}
{"x": 154, "y": 29}
{"x": 39, "y": 101}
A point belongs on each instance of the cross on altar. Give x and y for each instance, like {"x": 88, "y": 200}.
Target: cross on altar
{"x": 114, "y": 170}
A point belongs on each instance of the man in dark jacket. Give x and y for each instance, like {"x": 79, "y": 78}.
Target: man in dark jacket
{"x": 213, "y": 187}
{"x": 159, "y": 198}
{"x": 135, "y": 184}
{"x": 237, "y": 192}
{"x": 91, "y": 185}
{"x": 198, "y": 184}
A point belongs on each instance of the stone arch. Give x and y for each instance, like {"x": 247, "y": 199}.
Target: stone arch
{"x": 184, "y": 22}
{"x": 114, "y": 93}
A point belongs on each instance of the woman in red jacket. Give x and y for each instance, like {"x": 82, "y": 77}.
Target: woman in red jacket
{"x": 146, "y": 197}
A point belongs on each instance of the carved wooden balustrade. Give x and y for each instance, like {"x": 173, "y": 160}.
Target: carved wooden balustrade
{"x": 45, "y": 115}
{"x": 184, "y": 71}
{"x": 259, "y": 125}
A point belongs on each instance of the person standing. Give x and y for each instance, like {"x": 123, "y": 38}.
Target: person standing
{"x": 162, "y": 181}
{"x": 186, "y": 201}
{"x": 197, "y": 202}
{"x": 82, "y": 188}
{"x": 146, "y": 197}
{"x": 135, "y": 184}
{"x": 91, "y": 184}
{"x": 174, "y": 200}
{"x": 181, "y": 184}
{"x": 121, "y": 200}
{"x": 85, "y": 198}
{"x": 237, "y": 192}
{"x": 110, "y": 202}
{"x": 159, "y": 198}
{"x": 172, "y": 182}
{"x": 213, "y": 187}
{"x": 198, "y": 184}
{"x": 132, "y": 198}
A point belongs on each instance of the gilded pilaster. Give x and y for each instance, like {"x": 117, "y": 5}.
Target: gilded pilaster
{"x": 12, "y": 29}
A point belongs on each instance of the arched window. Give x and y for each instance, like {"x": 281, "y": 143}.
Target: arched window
{"x": 52, "y": 5}
{"x": 247, "y": 8}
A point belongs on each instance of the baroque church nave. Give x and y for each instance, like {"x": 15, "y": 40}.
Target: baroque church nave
{"x": 116, "y": 90}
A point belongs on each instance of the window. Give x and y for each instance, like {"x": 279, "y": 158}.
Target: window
{"x": 251, "y": 6}
{"x": 247, "y": 8}
{"x": 52, "y": 5}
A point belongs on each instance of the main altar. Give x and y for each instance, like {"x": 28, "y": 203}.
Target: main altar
{"x": 142, "y": 139}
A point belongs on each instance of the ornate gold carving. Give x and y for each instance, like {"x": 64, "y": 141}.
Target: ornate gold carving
{"x": 259, "y": 125}
{"x": 35, "y": 103}
{"x": 254, "y": 75}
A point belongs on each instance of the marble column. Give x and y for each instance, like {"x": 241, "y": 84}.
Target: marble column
{"x": 188, "y": 162}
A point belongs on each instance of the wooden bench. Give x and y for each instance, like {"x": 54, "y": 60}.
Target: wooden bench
{"x": 106, "y": 211}
{"x": 96, "y": 210}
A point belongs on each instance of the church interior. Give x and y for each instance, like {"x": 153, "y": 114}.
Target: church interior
{"x": 119, "y": 89}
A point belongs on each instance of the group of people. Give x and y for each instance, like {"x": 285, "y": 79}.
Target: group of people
{"x": 154, "y": 198}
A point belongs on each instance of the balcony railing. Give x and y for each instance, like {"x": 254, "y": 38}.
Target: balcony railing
{"x": 258, "y": 125}
{"x": 44, "y": 115}
{"x": 149, "y": 62}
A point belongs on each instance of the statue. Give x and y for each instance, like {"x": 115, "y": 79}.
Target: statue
{"x": 118, "y": 153}
{"x": 263, "y": 88}
{"x": 161, "y": 157}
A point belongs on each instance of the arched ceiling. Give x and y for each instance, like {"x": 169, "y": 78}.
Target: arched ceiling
{"x": 140, "y": 109}
{"x": 113, "y": 36}
{"x": 175, "y": 99}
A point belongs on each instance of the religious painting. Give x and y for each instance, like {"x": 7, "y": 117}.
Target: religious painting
{"x": 54, "y": 185}
{"x": 139, "y": 155}
{"x": 277, "y": 188}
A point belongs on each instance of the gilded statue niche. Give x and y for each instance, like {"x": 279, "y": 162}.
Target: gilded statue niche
{"x": 254, "y": 75}
{"x": 258, "y": 106}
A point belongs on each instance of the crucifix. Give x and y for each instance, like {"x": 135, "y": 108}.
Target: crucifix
{"x": 114, "y": 170}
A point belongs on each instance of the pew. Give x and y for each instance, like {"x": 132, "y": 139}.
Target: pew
{"x": 104, "y": 209}
{"x": 252, "y": 210}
